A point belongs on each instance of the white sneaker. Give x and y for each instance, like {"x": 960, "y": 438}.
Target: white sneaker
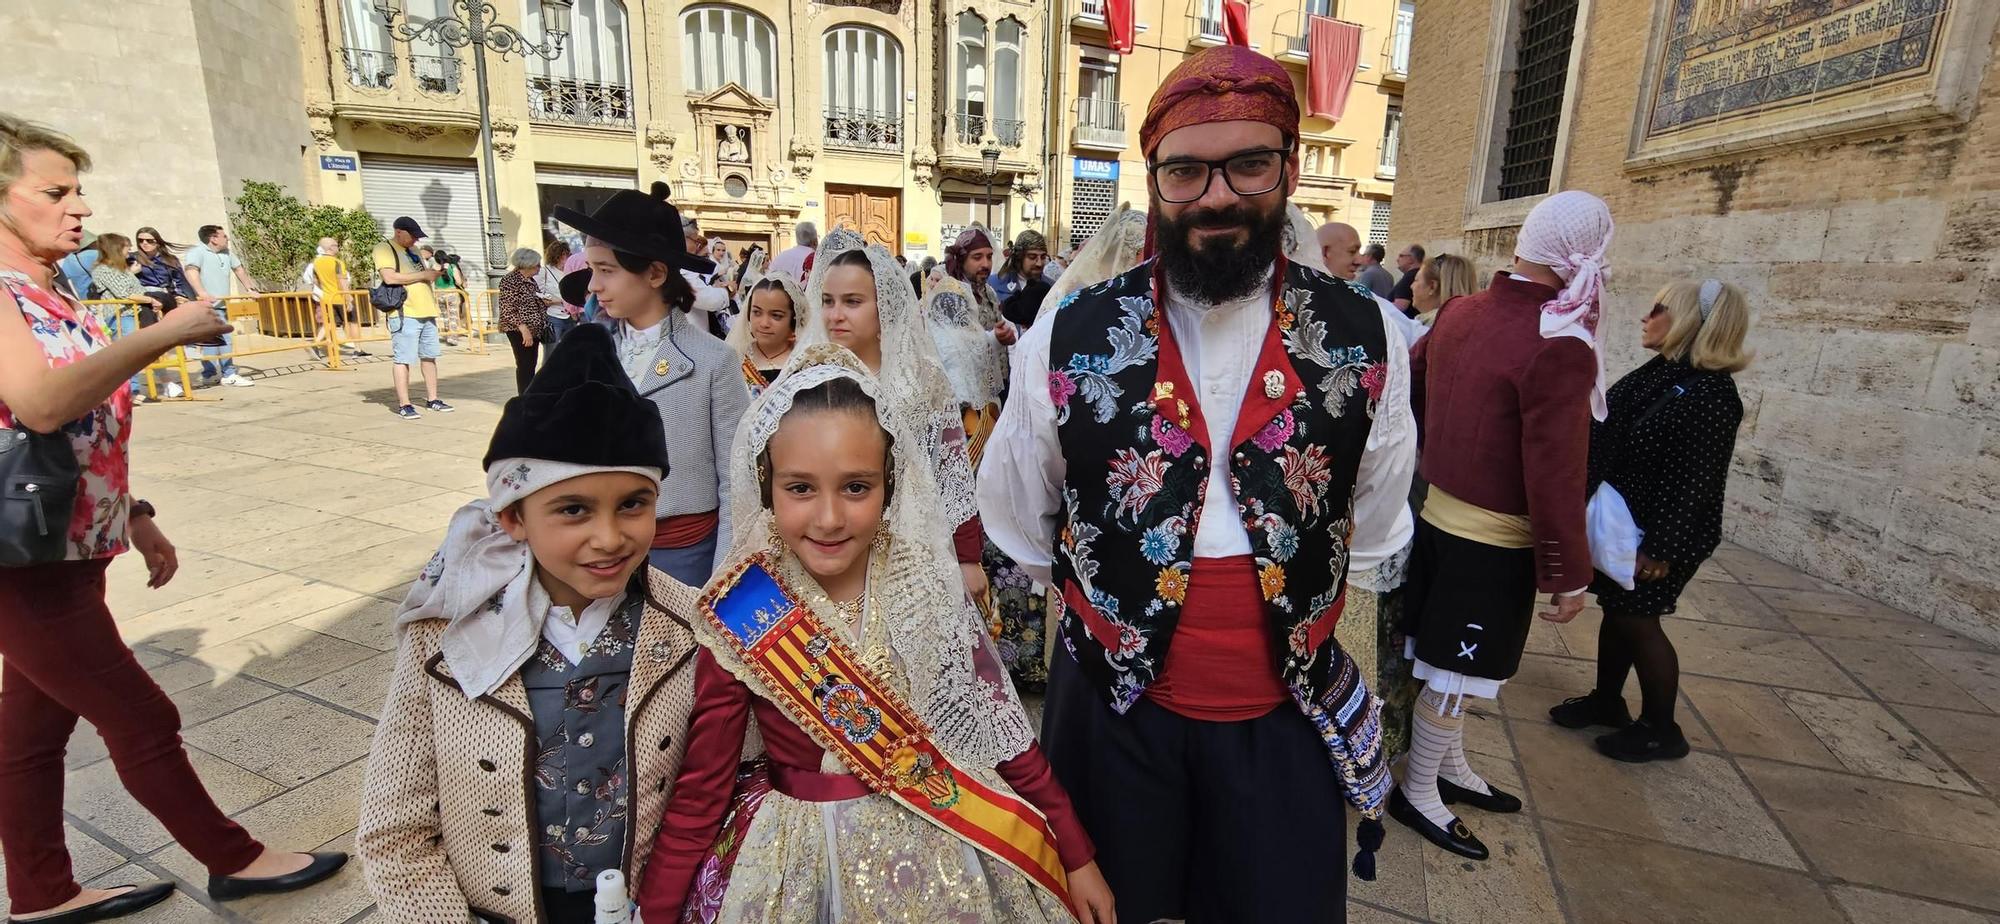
{"x": 237, "y": 381}
{"x": 174, "y": 390}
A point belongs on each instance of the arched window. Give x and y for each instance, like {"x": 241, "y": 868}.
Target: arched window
{"x": 591, "y": 82}
{"x": 864, "y": 88}
{"x": 1008, "y": 39}
{"x": 970, "y": 93}
{"x": 724, "y": 43}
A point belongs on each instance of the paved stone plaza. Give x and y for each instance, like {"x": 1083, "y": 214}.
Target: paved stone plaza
{"x": 1846, "y": 765}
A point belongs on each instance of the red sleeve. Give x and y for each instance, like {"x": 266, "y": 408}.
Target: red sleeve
{"x": 1029, "y": 775}
{"x": 969, "y": 541}
{"x": 701, "y": 791}
{"x": 1555, "y": 457}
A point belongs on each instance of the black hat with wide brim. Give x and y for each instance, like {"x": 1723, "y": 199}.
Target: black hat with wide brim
{"x": 641, "y": 224}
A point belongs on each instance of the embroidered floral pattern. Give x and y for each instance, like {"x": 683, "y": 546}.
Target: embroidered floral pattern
{"x": 1130, "y": 346}
{"x": 1271, "y": 580}
{"x": 1174, "y": 440}
{"x": 1275, "y": 433}
{"x": 1172, "y": 585}
{"x": 1306, "y": 476}
{"x": 1134, "y": 479}
{"x": 1162, "y": 543}
{"x": 1061, "y": 389}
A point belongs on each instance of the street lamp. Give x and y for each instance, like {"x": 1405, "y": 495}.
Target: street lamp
{"x": 475, "y": 25}
{"x": 990, "y": 154}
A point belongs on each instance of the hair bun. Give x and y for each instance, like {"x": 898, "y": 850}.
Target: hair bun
{"x": 660, "y": 190}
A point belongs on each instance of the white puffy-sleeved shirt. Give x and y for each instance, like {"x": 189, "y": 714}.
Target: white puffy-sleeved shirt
{"x": 1020, "y": 478}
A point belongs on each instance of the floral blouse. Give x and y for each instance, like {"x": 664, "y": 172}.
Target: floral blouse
{"x": 101, "y": 438}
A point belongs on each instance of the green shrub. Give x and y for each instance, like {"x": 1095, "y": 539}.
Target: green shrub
{"x": 275, "y": 234}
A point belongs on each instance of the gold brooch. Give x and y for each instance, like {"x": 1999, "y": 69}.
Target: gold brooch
{"x": 1274, "y": 383}
{"x": 661, "y": 367}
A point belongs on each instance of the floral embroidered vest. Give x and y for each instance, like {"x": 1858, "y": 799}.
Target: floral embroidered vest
{"x": 1126, "y": 408}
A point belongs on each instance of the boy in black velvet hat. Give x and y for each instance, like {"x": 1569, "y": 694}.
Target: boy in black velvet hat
{"x": 536, "y": 646}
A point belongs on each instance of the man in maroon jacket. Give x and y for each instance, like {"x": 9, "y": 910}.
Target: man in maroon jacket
{"x": 1505, "y": 386}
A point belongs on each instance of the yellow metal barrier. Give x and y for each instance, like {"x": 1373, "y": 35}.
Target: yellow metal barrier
{"x": 122, "y": 316}
{"x": 281, "y": 322}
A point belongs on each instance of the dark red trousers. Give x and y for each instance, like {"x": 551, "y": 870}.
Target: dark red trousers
{"x": 64, "y": 660}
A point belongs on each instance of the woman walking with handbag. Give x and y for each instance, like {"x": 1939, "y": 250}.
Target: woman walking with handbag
{"x": 523, "y": 316}
{"x": 1665, "y": 446}
{"x": 65, "y": 418}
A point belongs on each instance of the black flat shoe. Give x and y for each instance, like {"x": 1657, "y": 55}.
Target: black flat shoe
{"x": 1497, "y": 802}
{"x": 323, "y": 865}
{"x": 1640, "y": 743}
{"x": 1591, "y": 709}
{"x": 143, "y": 895}
{"x": 1458, "y": 839}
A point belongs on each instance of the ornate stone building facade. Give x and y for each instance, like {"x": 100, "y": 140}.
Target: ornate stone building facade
{"x": 869, "y": 113}
{"x": 1835, "y": 159}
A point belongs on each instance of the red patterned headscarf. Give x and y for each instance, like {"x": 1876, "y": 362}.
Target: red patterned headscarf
{"x": 969, "y": 240}
{"x": 1222, "y": 84}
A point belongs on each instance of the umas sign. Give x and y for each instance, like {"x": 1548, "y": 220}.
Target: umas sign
{"x": 1728, "y": 75}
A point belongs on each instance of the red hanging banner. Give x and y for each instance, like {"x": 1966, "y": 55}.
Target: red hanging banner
{"x": 1335, "y": 51}
{"x": 1118, "y": 20}
{"x": 1236, "y": 22}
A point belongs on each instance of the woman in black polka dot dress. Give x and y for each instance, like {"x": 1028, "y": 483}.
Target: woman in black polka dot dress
{"x": 1665, "y": 446}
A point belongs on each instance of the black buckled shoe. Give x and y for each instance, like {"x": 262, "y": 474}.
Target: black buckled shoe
{"x": 1591, "y": 709}
{"x": 143, "y": 895}
{"x": 323, "y": 865}
{"x": 1497, "y": 802}
{"x": 1640, "y": 742}
{"x": 1458, "y": 839}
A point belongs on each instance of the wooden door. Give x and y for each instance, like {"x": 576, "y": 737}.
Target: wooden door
{"x": 876, "y": 213}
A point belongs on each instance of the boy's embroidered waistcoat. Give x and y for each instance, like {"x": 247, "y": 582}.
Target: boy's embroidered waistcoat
{"x": 1137, "y": 453}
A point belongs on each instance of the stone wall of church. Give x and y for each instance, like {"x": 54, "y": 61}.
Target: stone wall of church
{"x": 1869, "y": 453}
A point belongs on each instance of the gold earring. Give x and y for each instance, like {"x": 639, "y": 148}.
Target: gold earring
{"x": 774, "y": 541}
{"x": 881, "y": 541}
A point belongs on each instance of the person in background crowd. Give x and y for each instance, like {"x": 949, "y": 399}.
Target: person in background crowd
{"x": 1665, "y": 445}
{"x": 858, "y": 302}
{"x": 61, "y": 374}
{"x": 1167, "y": 462}
{"x": 1372, "y": 274}
{"x": 111, "y": 277}
{"x": 792, "y": 260}
{"x": 1408, "y": 261}
{"x": 214, "y": 267}
{"x": 726, "y": 272}
{"x": 449, "y": 288}
{"x": 768, "y": 329}
{"x": 1442, "y": 278}
{"x": 920, "y": 274}
{"x": 522, "y": 315}
{"x": 638, "y": 273}
{"x": 548, "y": 285}
{"x": 534, "y": 648}
{"x": 711, "y": 300}
{"x": 413, "y": 328}
{"x": 1506, "y": 384}
{"x": 1020, "y": 283}
{"x": 1340, "y": 246}
{"x": 331, "y": 282}
{"x": 76, "y": 267}
{"x": 160, "y": 269}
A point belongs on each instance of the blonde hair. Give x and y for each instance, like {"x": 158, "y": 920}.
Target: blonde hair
{"x": 1453, "y": 274}
{"x": 1714, "y": 344}
{"x": 18, "y": 136}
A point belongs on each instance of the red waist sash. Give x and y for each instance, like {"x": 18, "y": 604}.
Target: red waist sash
{"x": 679, "y": 532}
{"x": 1222, "y": 665}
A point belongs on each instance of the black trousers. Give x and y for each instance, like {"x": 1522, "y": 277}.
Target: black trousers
{"x": 1208, "y": 822}
{"x": 524, "y": 360}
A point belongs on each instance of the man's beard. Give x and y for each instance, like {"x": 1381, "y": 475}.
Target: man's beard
{"x": 1219, "y": 271}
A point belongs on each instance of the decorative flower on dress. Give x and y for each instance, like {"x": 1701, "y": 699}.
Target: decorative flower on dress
{"x": 1160, "y": 544}
{"x": 1283, "y": 539}
{"x": 1306, "y": 476}
{"x": 1061, "y": 389}
{"x": 1134, "y": 479}
{"x": 1275, "y": 433}
{"x": 1172, "y": 585}
{"x": 1271, "y": 580}
{"x": 1174, "y": 440}
{"x": 1374, "y": 380}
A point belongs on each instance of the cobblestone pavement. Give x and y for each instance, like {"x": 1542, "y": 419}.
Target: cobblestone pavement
{"x": 1846, "y": 760}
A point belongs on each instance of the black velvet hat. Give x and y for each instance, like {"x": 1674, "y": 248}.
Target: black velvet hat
{"x": 581, "y": 408}
{"x": 637, "y": 223}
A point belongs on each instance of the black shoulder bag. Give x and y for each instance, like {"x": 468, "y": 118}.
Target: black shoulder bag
{"x": 388, "y": 297}
{"x": 38, "y": 476}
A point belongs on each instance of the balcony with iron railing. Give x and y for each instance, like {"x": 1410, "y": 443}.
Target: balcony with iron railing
{"x": 1091, "y": 14}
{"x": 369, "y": 69}
{"x": 863, "y": 129}
{"x": 579, "y": 102}
{"x": 1100, "y": 124}
{"x": 437, "y": 73}
{"x": 1292, "y": 37}
{"x": 971, "y": 129}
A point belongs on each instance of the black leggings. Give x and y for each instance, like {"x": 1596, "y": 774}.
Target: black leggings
{"x": 524, "y": 360}
{"x": 1627, "y": 644}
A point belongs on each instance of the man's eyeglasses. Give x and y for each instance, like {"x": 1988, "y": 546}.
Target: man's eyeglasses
{"x": 1251, "y": 173}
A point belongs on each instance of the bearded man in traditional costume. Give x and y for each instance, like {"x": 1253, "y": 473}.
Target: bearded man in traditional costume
{"x": 1186, "y": 458}
{"x": 1506, "y": 384}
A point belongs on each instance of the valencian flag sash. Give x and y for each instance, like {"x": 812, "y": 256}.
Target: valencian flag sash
{"x": 810, "y": 671}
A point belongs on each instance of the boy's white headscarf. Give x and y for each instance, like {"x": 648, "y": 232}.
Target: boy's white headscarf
{"x": 1570, "y": 233}
{"x": 482, "y": 580}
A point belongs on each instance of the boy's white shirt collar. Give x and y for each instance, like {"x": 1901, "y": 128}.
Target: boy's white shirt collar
{"x": 569, "y": 632}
